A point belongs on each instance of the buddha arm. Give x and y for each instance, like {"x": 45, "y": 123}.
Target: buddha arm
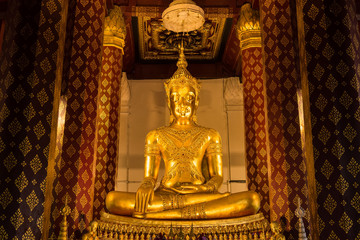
{"x": 215, "y": 162}
{"x": 145, "y": 193}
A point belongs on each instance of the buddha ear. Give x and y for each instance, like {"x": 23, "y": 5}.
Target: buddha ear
{"x": 168, "y": 102}
{"x": 171, "y": 120}
{"x": 197, "y": 99}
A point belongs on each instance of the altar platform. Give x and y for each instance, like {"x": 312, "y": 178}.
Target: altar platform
{"x": 127, "y": 228}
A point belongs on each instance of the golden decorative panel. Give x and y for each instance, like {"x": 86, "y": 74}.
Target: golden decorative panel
{"x": 158, "y": 43}
{"x": 119, "y": 227}
{"x": 115, "y": 29}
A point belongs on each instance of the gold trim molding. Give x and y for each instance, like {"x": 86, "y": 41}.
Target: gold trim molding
{"x": 115, "y": 29}
{"x": 127, "y": 228}
{"x": 248, "y": 27}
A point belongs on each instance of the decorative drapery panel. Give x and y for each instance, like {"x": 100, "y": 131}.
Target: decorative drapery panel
{"x": 287, "y": 175}
{"x": 332, "y": 54}
{"x": 27, "y": 94}
{"x": 109, "y": 103}
{"x": 255, "y": 125}
{"x": 107, "y": 126}
{"x": 257, "y": 147}
{"x": 57, "y": 164}
{"x": 76, "y": 175}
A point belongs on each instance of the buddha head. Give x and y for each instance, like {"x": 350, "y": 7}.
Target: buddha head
{"x": 182, "y": 91}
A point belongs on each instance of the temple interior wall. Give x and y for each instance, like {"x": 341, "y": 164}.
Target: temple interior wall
{"x": 144, "y": 108}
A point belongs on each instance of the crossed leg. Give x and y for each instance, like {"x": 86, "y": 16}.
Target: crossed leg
{"x": 189, "y": 206}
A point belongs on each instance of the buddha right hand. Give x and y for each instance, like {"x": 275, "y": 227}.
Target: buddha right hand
{"x": 144, "y": 197}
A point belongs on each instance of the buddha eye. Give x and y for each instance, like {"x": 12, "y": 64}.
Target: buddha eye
{"x": 175, "y": 97}
{"x": 190, "y": 97}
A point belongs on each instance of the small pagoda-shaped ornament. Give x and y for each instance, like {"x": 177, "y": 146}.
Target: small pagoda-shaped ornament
{"x": 300, "y": 213}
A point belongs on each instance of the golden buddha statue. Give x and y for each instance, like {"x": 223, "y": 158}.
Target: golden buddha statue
{"x": 193, "y": 166}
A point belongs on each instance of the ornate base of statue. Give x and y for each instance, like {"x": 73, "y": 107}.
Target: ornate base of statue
{"x": 128, "y": 228}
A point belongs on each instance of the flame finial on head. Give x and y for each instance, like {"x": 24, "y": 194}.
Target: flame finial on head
{"x": 182, "y": 76}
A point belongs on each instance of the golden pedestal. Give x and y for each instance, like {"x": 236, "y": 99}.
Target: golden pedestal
{"x": 127, "y": 228}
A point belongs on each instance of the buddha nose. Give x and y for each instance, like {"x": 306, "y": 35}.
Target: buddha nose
{"x": 182, "y": 101}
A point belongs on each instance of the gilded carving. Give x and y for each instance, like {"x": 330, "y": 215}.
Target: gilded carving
{"x": 277, "y": 229}
{"x": 115, "y": 29}
{"x": 183, "y": 145}
{"x": 248, "y": 27}
{"x": 65, "y": 211}
{"x": 250, "y": 227}
{"x": 156, "y": 42}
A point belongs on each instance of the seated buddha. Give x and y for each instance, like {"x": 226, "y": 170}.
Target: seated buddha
{"x": 193, "y": 166}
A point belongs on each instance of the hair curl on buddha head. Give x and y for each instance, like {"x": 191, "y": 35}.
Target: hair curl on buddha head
{"x": 181, "y": 78}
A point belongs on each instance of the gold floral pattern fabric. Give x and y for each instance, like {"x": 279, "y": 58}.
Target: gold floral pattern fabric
{"x": 332, "y": 52}
{"x": 27, "y": 90}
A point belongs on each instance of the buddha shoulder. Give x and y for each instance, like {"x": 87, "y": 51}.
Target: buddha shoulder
{"x": 151, "y": 137}
{"x": 214, "y": 135}
{"x": 211, "y": 134}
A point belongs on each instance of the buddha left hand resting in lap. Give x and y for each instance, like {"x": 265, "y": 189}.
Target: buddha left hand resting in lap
{"x": 185, "y": 192}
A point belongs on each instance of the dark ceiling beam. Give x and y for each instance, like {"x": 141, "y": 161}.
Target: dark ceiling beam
{"x": 166, "y": 70}
{"x": 166, "y": 3}
{"x": 255, "y": 4}
{"x": 3, "y": 8}
{"x": 109, "y": 4}
{"x": 358, "y": 12}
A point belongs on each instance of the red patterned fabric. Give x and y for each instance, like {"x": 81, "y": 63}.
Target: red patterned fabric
{"x": 255, "y": 125}
{"x": 287, "y": 175}
{"x": 107, "y": 126}
{"x": 76, "y": 174}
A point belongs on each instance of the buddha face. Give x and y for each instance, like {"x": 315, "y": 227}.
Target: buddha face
{"x": 183, "y": 102}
